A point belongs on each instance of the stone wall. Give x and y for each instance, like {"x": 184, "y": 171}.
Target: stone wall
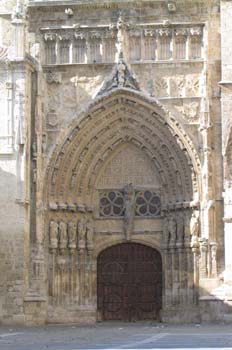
{"x": 15, "y": 116}
{"x": 88, "y": 80}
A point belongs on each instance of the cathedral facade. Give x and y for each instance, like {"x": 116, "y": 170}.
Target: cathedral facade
{"x": 115, "y": 161}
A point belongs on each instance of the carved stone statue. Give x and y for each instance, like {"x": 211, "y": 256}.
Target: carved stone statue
{"x": 53, "y": 230}
{"x": 194, "y": 230}
{"x": 63, "y": 235}
{"x": 172, "y": 227}
{"x": 81, "y": 233}
{"x": 72, "y": 235}
{"x": 166, "y": 235}
{"x": 89, "y": 234}
{"x": 129, "y": 210}
{"x": 194, "y": 224}
{"x": 120, "y": 35}
{"x": 121, "y": 73}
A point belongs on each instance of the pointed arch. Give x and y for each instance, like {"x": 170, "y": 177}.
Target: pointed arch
{"x": 121, "y": 116}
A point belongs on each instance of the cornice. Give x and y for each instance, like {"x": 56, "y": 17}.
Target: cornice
{"x": 95, "y": 3}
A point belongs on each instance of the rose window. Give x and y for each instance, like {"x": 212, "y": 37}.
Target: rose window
{"x": 147, "y": 203}
{"x": 111, "y": 203}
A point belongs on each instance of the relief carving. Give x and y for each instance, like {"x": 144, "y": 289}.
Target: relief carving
{"x": 53, "y": 77}
{"x": 53, "y": 231}
{"x": 190, "y": 111}
{"x": 177, "y": 87}
{"x": 72, "y": 235}
{"x": 120, "y": 77}
{"x": 81, "y": 233}
{"x": 89, "y": 235}
{"x": 160, "y": 87}
{"x": 129, "y": 200}
{"x": 52, "y": 119}
{"x": 192, "y": 85}
{"x": 63, "y": 235}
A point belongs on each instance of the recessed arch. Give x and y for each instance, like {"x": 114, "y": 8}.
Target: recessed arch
{"x": 122, "y": 116}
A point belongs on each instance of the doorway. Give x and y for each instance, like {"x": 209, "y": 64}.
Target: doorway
{"x": 129, "y": 285}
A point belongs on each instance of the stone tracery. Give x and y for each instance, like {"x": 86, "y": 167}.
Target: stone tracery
{"x": 111, "y": 128}
{"x": 115, "y": 122}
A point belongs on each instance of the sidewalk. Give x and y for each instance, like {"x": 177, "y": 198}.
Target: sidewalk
{"x": 141, "y": 335}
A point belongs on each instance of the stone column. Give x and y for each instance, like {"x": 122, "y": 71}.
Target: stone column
{"x": 18, "y": 23}
{"x": 226, "y": 106}
{"x": 204, "y": 258}
{"x": 228, "y": 235}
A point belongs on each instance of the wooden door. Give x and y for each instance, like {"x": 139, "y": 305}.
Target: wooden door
{"x": 129, "y": 285}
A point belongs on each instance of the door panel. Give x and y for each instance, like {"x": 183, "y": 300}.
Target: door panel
{"x": 129, "y": 282}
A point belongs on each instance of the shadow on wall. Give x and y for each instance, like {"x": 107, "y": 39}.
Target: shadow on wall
{"x": 11, "y": 248}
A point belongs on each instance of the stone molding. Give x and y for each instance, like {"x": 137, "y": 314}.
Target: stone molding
{"x": 80, "y": 180}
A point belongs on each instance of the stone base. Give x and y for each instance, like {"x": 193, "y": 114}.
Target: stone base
{"x": 211, "y": 309}
{"x": 35, "y": 308}
{"x": 14, "y": 320}
{"x": 82, "y": 316}
{"x": 183, "y": 314}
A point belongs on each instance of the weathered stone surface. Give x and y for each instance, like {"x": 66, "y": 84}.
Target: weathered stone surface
{"x": 112, "y": 131}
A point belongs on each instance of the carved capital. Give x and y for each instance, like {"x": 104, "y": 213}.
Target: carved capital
{"x": 181, "y": 32}
{"x": 50, "y": 36}
{"x": 79, "y": 35}
{"x": 164, "y": 32}
{"x": 96, "y": 34}
{"x": 195, "y": 31}
{"x": 64, "y": 36}
{"x": 149, "y": 32}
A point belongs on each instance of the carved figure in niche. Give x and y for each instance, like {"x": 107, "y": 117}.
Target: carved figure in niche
{"x": 129, "y": 210}
{"x": 63, "y": 235}
{"x": 53, "y": 230}
{"x": 194, "y": 230}
{"x": 72, "y": 235}
{"x": 89, "y": 234}
{"x": 81, "y": 233}
{"x": 194, "y": 224}
{"x": 166, "y": 235}
{"x": 121, "y": 73}
{"x": 172, "y": 229}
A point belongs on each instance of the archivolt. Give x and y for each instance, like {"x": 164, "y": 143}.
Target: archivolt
{"x": 122, "y": 116}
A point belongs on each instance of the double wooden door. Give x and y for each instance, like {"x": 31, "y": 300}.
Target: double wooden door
{"x": 129, "y": 286}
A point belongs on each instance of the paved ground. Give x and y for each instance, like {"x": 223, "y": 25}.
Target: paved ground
{"x": 109, "y": 336}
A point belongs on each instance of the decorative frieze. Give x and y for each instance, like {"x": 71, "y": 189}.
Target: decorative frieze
{"x": 70, "y": 207}
{"x": 186, "y": 41}
{"x": 53, "y": 77}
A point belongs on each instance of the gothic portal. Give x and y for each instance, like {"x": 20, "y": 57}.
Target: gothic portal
{"x": 115, "y": 161}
